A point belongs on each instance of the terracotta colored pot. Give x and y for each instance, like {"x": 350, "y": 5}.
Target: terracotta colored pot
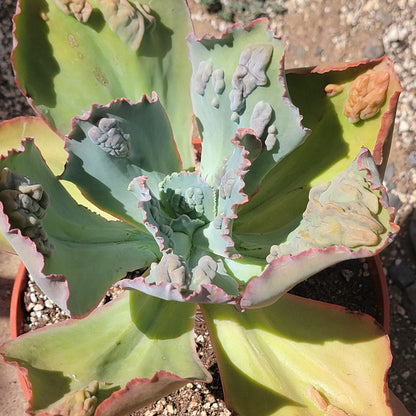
{"x": 197, "y": 144}
{"x": 17, "y": 315}
{"x": 17, "y": 310}
{"x": 375, "y": 267}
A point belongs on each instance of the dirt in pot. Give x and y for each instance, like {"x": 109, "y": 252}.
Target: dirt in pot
{"x": 347, "y": 284}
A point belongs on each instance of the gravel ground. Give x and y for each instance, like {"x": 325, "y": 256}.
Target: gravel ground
{"x": 323, "y": 31}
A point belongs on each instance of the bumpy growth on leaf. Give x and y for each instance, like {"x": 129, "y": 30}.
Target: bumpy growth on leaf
{"x": 80, "y": 403}
{"x": 174, "y": 269}
{"x": 110, "y": 137}
{"x": 202, "y": 76}
{"x": 341, "y": 212}
{"x": 366, "y": 95}
{"x": 127, "y": 20}
{"x": 355, "y": 200}
{"x": 25, "y": 204}
{"x": 122, "y": 49}
{"x": 81, "y": 9}
{"x": 245, "y": 91}
{"x": 249, "y": 74}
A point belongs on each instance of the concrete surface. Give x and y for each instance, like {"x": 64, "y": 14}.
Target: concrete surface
{"x": 12, "y": 399}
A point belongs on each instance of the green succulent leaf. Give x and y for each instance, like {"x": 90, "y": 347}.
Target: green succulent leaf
{"x": 237, "y": 83}
{"x": 66, "y": 61}
{"x": 300, "y": 357}
{"x": 127, "y": 354}
{"x": 111, "y": 145}
{"x": 333, "y": 144}
{"x": 346, "y": 218}
{"x": 49, "y": 237}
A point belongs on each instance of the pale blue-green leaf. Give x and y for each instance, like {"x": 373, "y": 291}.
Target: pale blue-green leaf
{"x": 254, "y": 51}
{"x": 141, "y": 144}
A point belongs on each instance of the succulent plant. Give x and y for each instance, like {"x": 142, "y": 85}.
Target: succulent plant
{"x": 289, "y": 183}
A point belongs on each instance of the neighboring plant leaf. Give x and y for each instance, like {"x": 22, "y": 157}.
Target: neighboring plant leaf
{"x": 300, "y": 357}
{"x": 237, "y": 83}
{"x": 134, "y": 350}
{"x": 344, "y": 219}
{"x": 73, "y": 232}
{"x": 331, "y": 147}
{"x": 13, "y": 131}
{"x": 94, "y": 62}
{"x": 111, "y": 145}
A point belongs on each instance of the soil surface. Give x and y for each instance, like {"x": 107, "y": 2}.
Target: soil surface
{"x": 317, "y": 31}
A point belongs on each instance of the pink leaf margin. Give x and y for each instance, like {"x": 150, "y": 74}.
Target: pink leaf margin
{"x": 241, "y": 171}
{"x": 144, "y": 99}
{"x": 139, "y": 392}
{"x": 207, "y": 293}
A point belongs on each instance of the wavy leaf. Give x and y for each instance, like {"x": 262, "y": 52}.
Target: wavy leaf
{"x": 111, "y": 145}
{"x": 230, "y": 185}
{"x": 346, "y": 218}
{"x": 331, "y": 147}
{"x": 51, "y": 146}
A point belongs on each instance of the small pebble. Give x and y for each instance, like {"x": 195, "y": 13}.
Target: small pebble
{"x": 38, "y": 307}
{"x": 406, "y": 374}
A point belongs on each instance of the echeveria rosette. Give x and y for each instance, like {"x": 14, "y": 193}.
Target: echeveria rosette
{"x": 115, "y": 159}
{"x": 127, "y": 354}
{"x": 192, "y": 221}
{"x": 66, "y": 61}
